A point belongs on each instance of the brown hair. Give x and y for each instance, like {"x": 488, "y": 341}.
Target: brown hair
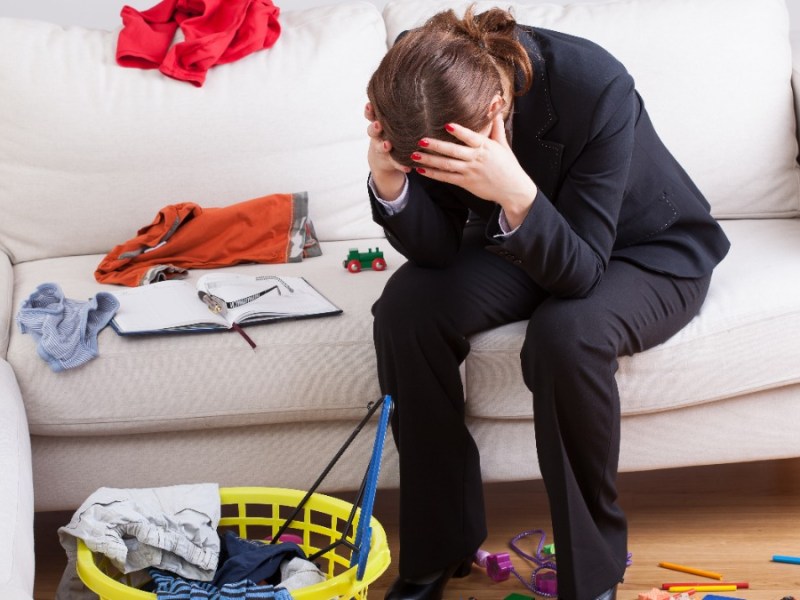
{"x": 446, "y": 71}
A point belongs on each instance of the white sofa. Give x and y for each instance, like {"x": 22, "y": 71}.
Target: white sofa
{"x": 90, "y": 151}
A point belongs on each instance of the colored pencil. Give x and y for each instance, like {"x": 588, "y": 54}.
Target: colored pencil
{"x": 742, "y": 585}
{"x": 795, "y": 560}
{"x": 703, "y": 588}
{"x": 692, "y": 570}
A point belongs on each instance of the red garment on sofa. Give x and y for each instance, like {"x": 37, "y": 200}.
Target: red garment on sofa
{"x": 215, "y": 32}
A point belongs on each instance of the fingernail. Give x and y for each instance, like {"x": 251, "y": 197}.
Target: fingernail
{"x": 449, "y": 127}
{"x": 376, "y": 124}
{"x": 416, "y": 156}
{"x": 420, "y": 170}
{"x": 424, "y": 143}
{"x": 385, "y": 145}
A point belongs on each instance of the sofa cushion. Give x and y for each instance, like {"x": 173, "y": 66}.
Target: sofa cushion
{"x": 315, "y": 369}
{"x": 715, "y": 77}
{"x": 744, "y": 340}
{"x": 93, "y": 150}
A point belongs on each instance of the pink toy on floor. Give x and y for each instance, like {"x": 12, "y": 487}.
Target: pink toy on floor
{"x": 657, "y": 594}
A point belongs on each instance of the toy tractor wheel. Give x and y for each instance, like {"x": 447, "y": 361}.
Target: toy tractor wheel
{"x": 378, "y": 264}
{"x": 354, "y": 266}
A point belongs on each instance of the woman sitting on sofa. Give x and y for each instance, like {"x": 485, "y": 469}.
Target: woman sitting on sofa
{"x": 518, "y": 171}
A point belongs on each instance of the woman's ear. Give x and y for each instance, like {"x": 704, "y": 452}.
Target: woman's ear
{"x": 496, "y": 106}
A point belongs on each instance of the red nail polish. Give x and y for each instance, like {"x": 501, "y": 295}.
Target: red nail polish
{"x": 416, "y": 156}
{"x": 424, "y": 143}
{"x": 449, "y": 127}
{"x": 420, "y": 170}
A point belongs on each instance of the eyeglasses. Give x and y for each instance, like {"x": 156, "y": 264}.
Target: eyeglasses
{"x": 219, "y": 305}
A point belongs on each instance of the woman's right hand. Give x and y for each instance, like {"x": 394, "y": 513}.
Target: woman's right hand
{"x": 388, "y": 176}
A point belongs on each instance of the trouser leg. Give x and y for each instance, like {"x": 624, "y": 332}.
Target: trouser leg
{"x": 569, "y": 361}
{"x": 422, "y": 322}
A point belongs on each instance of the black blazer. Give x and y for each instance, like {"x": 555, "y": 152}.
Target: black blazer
{"x": 607, "y": 185}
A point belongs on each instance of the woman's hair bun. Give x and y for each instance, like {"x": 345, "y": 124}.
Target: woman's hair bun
{"x": 493, "y": 31}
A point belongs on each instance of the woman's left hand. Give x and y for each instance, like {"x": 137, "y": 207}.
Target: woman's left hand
{"x": 485, "y": 166}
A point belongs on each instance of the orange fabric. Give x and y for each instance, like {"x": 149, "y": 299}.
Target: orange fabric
{"x": 185, "y": 236}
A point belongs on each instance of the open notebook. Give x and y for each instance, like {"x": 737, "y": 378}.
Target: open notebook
{"x": 218, "y": 301}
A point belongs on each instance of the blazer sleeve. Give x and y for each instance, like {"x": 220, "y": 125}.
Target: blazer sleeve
{"x": 565, "y": 243}
{"x": 428, "y": 231}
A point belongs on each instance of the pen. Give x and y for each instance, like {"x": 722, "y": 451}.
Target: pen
{"x": 692, "y": 570}
{"x": 741, "y": 585}
{"x": 703, "y": 588}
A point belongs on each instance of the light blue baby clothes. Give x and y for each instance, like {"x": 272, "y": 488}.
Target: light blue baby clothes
{"x": 65, "y": 330}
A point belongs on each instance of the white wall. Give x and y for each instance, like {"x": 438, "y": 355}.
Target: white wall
{"x": 105, "y": 13}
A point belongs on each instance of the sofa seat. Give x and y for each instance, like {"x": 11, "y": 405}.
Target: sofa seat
{"x": 216, "y": 380}
{"x": 742, "y": 342}
{"x": 179, "y": 382}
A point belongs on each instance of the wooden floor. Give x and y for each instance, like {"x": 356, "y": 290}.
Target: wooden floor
{"x": 729, "y": 518}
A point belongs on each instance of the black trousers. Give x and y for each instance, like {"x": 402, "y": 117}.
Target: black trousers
{"x": 422, "y": 325}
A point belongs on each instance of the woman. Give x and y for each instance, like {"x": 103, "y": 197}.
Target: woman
{"x": 518, "y": 171}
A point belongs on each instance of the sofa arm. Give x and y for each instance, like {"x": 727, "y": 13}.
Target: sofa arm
{"x": 16, "y": 492}
{"x": 6, "y": 302}
{"x": 795, "y": 40}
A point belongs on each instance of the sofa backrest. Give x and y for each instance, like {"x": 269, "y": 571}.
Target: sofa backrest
{"x": 715, "y": 77}
{"x": 90, "y": 151}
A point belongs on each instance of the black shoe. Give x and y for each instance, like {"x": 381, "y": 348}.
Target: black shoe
{"x": 404, "y": 589}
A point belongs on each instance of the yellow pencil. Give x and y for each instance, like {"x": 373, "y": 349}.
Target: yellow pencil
{"x": 692, "y": 570}
{"x": 703, "y": 588}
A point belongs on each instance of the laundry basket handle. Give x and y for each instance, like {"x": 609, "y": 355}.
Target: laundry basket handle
{"x": 371, "y": 409}
{"x": 364, "y": 531}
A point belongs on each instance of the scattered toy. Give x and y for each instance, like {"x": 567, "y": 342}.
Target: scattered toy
{"x": 372, "y": 259}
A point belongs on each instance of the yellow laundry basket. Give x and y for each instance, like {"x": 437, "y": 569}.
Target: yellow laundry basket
{"x": 257, "y": 513}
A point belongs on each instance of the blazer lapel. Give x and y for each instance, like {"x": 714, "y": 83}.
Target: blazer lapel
{"x": 534, "y": 116}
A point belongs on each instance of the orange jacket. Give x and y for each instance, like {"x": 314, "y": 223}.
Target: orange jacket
{"x": 270, "y": 229}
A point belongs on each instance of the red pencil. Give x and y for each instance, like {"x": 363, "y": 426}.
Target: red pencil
{"x": 742, "y": 585}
